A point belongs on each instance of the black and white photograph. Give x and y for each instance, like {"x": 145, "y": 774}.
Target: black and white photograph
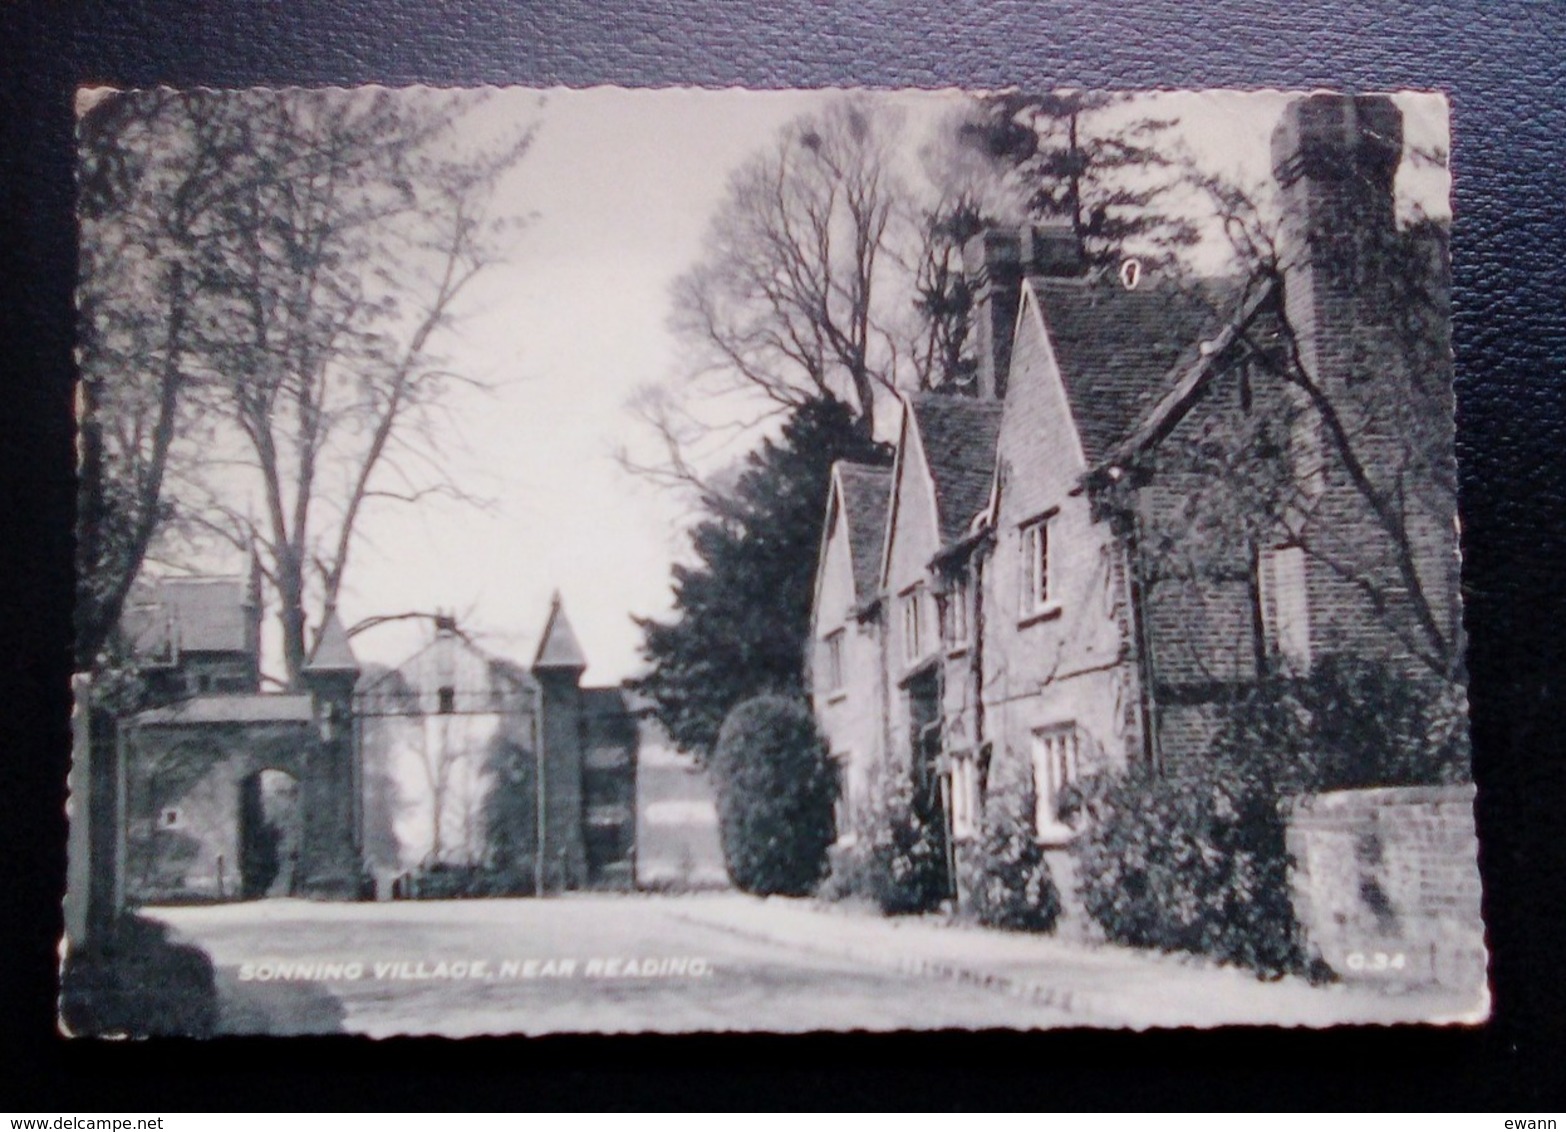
{"x": 608, "y": 561}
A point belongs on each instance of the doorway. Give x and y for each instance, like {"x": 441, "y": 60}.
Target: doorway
{"x": 924, "y": 721}
{"x": 269, "y": 835}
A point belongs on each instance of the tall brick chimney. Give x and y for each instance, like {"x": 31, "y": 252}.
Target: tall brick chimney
{"x": 996, "y": 260}
{"x": 1345, "y": 268}
{"x": 1335, "y": 157}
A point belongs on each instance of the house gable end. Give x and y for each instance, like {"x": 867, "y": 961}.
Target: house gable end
{"x": 913, "y": 519}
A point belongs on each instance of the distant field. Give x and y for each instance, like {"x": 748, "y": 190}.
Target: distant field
{"x": 676, "y": 823}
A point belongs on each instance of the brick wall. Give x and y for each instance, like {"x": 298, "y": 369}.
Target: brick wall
{"x": 1386, "y": 884}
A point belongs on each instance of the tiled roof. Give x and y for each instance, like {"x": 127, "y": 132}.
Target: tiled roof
{"x": 252, "y": 708}
{"x": 559, "y": 647}
{"x": 199, "y": 614}
{"x": 1190, "y": 379}
{"x": 332, "y": 652}
{"x": 1116, "y": 348}
{"x": 958, "y": 435}
{"x": 866, "y": 494}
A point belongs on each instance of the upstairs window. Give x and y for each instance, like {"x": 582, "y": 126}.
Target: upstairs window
{"x": 964, "y": 797}
{"x": 832, "y": 655}
{"x": 1285, "y": 607}
{"x": 1037, "y": 593}
{"x": 957, "y": 613}
{"x": 446, "y": 700}
{"x": 913, "y": 626}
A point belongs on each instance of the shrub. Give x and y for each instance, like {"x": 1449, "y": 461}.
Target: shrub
{"x": 1009, "y": 884}
{"x": 775, "y": 795}
{"x": 896, "y": 860}
{"x": 136, "y": 982}
{"x": 1192, "y": 862}
{"x": 1196, "y": 859}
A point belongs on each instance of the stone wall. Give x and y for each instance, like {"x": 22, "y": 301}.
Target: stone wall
{"x": 1386, "y": 884}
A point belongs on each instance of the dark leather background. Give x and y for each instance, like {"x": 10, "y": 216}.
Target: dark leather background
{"x": 1502, "y": 64}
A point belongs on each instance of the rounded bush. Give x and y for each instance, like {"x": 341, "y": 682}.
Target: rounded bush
{"x": 775, "y": 796}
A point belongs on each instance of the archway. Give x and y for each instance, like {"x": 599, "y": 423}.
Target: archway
{"x": 270, "y": 827}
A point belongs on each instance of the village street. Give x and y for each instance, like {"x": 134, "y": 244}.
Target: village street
{"x": 550, "y": 966}
{"x": 720, "y": 961}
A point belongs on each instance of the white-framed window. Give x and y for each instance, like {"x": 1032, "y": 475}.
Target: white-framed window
{"x": 913, "y": 625}
{"x": 843, "y": 802}
{"x": 832, "y": 655}
{"x": 957, "y": 612}
{"x": 1036, "y": 593}
{"x": 170, "y": 818}
{"x": 1285, "y": 606}
{"x": 964, "y": 796}
{"x": 1055, "y": 751}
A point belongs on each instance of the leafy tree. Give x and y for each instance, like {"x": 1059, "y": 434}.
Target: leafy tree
{"x": 304, "y": 250}
{"x": 742, "y": 609}
{"x": 1081, "y": 158}
{"x": 775, "y": 792}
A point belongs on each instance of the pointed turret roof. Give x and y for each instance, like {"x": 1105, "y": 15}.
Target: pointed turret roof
{"x": 332, "y": 652}
{"x": 559, "y": 649}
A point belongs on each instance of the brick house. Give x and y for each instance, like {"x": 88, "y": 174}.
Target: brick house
{"x": 1073, "y": 529}
{"x": 230, "y": 792}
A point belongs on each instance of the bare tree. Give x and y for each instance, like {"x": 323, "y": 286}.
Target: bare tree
{"x": 145, "y": 215}
{"x": 333, "y": 233}
{"x": 795, "y": 296}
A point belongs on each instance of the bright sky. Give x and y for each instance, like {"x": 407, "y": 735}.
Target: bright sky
{"x": 620, "y": 185}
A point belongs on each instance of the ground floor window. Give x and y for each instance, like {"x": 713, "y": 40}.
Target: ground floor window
{"x": 843, "y": 804}
{"x": 1055, "y": 751}
{"x": 965, "y": 796}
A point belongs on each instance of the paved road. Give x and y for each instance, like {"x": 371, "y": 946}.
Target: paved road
{"x": 605, "y": 964}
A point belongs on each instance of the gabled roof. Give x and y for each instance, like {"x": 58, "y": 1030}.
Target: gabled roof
{"x": 559, "y": 648}
{"x": 958, "y": 435}
{"x": 866, "y": 492}
{"x": 1186, "y": 384}
{"x": 1117, "y": 348}
{"x": 332, "y": 652}
{"x": 195, "y": 614}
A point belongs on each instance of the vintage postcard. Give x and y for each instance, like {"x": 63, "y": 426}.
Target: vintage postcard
{"x": 615, "y": 561}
